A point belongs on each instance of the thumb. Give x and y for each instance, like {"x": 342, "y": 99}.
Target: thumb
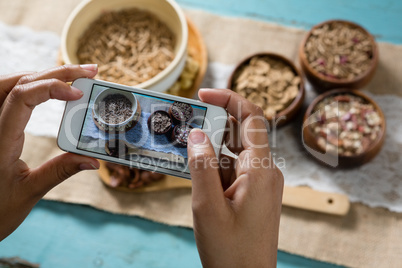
{"x": 58, "y": 169}
{"x": 207, "y": 192}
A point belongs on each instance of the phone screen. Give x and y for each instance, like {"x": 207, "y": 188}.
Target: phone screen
{"x": 141, "y": 128}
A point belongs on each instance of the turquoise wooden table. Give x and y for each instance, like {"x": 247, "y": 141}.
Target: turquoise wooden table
{"x": 65, "y": 235}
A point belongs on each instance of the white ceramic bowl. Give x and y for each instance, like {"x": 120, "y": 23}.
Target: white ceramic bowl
{"x": 167, "y": 11}
{"x": 122, "y": 126}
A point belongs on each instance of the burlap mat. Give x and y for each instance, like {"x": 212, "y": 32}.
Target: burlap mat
{"x": 364, "y": 238}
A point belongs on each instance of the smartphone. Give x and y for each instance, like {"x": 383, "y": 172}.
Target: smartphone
{"x": 135, "y": 127}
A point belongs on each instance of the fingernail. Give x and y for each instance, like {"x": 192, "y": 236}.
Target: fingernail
{"x": 87, "y": 166}
{"x": 77, "y": 91}
{"x": 89, "y": 67}
{"x": 197, "y": 136}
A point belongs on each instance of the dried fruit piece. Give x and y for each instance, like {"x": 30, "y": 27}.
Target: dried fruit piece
{"x": 348, "y": 126}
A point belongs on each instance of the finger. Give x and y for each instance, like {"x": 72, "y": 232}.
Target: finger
{"x": 253, "y": 132}
{"x": 261, "y": 184}
{"x": 65, "y": 73}
{"x": 7, "y": 82}
{"x": 21, "y": 101}
{"x": 232, "y": 136}
{"x": 227, "y": 166}
{"x": 235, "y": 104}
{"x": 58, "y": 169}
{"x": 233, "y": 143}
{"x": 207, "y": 190}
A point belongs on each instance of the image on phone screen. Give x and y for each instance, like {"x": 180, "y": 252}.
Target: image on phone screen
{"x": 144, "y": 129}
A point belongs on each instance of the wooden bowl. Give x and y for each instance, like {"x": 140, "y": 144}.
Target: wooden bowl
{"x": 323, "y": 83}
{"x": 179, "y": 120}
{"x": 150, "y": 127}
{"x": 311, "y": 142}
{"x": 173, "y": 137}
{"x": 287, "y": 114}
{"x": 197, "y": 50}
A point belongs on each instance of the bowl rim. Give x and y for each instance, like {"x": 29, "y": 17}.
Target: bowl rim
{"x": 178, "y": 58}
{"x": 340, "y": 82}
{"x": 377, "y": 142}
{"x": 297, "y": 101}
{"x": 125, "y": 122}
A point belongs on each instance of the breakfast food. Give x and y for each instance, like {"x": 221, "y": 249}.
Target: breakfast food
{"x": 339, "y": 50}
{"x": 130, "y": 46}
{"x": 159, "y": 122}
{"x": 345, "y": 124}
{"x": 268, "y": 82}
{"x": 187, "y": 77}
{"x": 131, "y": 178}
{"x": 115, "y": 109}
{"x": 181, "y": 112}
{"x": 180, "y": 135}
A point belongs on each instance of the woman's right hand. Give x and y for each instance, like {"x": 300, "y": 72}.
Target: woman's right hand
{"x": 236, "y": 209}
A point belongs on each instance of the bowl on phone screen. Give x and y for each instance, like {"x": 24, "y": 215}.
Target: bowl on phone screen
{"x": 116, "y": 110}
{"x": 167, "y": 12}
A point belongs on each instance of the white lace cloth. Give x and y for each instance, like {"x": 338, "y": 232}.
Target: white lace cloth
{"x": 377, "y": 184}
{"x": 22, "y": 49}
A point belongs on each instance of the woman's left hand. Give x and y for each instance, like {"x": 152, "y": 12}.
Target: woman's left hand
{"x": 22, "y": 187}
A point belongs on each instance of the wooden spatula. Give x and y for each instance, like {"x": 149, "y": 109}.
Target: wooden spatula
{"x": 309, "y": 199}
{"x": 298, "y": 197}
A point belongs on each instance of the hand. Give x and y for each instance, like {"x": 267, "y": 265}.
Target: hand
{"x": 236, "y": 207}
{"x": 20, "y": 186}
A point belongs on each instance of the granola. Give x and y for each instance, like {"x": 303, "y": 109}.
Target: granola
{"x": 339, "y": 50}
{"x": 130, "y": 46}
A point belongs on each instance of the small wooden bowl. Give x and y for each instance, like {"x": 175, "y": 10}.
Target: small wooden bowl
{"x": 177, "y": 120}
{"x": 322, "y": 83}
{"x": 159, "y": 132}
{"x": 182, "y": 144}
{"x": 287, "y": 114}
{"x": 311, "y": 142}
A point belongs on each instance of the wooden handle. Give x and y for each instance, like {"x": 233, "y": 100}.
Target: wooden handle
{"x": 298, "y": 197}
{"x": 309, "y": 199}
